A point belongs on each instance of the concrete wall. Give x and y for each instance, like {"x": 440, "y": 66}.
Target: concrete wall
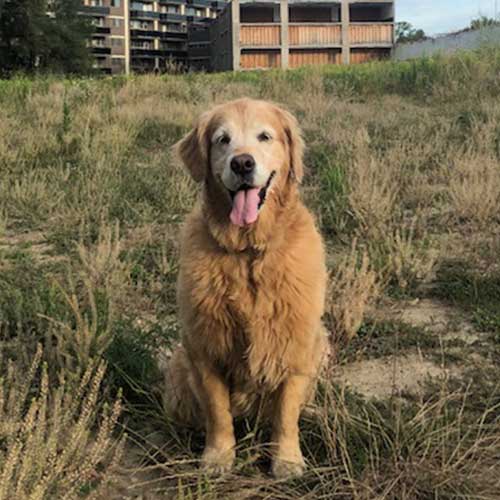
{"x": 448, "y": 44}
{"x": 221, "y": 48}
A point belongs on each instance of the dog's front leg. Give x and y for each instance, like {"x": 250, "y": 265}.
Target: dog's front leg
{"x": 219, "y": 453}
{"x": 287, "y": 457}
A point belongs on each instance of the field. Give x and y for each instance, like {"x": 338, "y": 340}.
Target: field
{"x": 404, "y": 178}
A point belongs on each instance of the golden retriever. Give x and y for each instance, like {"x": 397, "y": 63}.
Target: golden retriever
{"x": 251, "y": 284}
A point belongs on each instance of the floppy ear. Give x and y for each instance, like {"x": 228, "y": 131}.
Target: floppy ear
{"x": 295, "y": 145}
{"x": 193, "y": 149}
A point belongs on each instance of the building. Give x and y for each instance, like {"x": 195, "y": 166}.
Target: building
{"x": 111, "y": 41}
{"x": 145, "y": 35}
{"x": 291, "y": 33}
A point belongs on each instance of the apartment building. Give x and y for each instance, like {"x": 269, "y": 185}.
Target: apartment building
{"x": 145, "y": 35}
{"x": 110, "y": 42}
{"x": 251, "y": 34}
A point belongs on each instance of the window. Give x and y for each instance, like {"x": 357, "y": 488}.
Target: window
{"x": 96, "y": 3}
{"x": 117, "y": 23}
{"x": 116, "y": 42}
{"x": 142, "y": 45}
{"x": 190, "y": 11}
{"x": 144, "y": 7}
{"x": 172, "y": 27}
{"x": 115, "y": 3}
{"x": 141, "y": 25}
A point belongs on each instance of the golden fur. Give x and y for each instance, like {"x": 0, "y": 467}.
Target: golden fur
{"x": 251, "y": 298}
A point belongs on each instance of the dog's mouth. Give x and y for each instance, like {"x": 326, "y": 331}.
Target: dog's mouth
{"x": 247, "y": 202}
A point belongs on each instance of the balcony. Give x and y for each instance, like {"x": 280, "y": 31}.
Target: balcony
{"x": 143, "y": 14}
{"x": 170, "y": 16}
{"x": 144, "y": 52}
{"x": 315, "y": 34}
{"x": 87, "y": 9}
{"x": 199, "y": 3}
{"x": 102, "y": 30}
{"x": 144, "y": 33}
{"x": 101, "y": 50}
{"x": 260, "y": 35}
{"x": 174, "y": 36}
{"x": 371, "y": 35}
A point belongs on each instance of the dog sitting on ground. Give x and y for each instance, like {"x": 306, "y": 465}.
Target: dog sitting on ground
{"x": 251, "y": 285}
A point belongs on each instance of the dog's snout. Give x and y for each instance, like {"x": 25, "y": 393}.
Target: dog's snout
{"x": 243, "y": 164}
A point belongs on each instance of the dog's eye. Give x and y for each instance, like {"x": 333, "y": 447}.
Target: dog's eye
{"x": 264, "y": 137}
{"x": 224, "y": 139}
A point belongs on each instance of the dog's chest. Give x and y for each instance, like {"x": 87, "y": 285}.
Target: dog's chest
{"x": 252, "y": 289}
{"x": 259, "y": 310}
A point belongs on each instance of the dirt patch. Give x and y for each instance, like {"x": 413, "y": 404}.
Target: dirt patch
{"x": 438, "y": 318}
{"x": 383, "y": 377}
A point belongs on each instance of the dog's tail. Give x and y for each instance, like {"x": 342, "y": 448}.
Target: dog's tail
{"x": 179, "y": 395}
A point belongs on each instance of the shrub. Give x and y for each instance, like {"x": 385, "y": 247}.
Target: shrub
{"x": 56, "y": 439}
{"x": 354, "y": 286}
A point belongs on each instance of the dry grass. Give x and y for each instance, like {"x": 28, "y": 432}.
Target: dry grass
{"x": 402, "y": 160}
{"x": 474, "y": 188}
{"x": 50, "y": 445}
{"x": 354, "y": 286}
{"x": 374, "y": 186}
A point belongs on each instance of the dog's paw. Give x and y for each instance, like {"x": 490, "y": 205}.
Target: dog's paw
{"x": 287, "y": 469}
{"x": 217, "y": 462}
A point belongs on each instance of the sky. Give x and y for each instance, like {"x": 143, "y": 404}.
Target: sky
{"x": 442, "y": 16}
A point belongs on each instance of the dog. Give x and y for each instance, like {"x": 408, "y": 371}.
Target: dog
{"x": 251, "y": 285}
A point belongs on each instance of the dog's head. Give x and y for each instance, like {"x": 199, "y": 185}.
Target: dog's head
{"x": 249, "y": 148}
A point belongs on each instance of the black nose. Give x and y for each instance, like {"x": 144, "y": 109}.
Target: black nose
{"x": 243, "y": 164}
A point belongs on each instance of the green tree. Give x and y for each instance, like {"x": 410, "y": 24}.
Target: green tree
{"x": 406, "y": 33}
{"x": 69, "y": 52}
{"x": 41, "y": 35}
{"x": 23, "y": 24}
{"x": 483, "y": 22}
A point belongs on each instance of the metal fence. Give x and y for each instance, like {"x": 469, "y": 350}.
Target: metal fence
{"x": 448, "y": 43}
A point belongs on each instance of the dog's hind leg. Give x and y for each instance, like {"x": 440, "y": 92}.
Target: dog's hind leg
{"x": 180, "y": 399}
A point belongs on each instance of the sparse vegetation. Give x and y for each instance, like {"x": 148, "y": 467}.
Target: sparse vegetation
{"x": 403, "y": 174}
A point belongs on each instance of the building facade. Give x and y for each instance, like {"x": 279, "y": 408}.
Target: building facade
{"x": 144, "y": 35}
{"x": 212, "y": 35}
{"x": 250, "y": 34}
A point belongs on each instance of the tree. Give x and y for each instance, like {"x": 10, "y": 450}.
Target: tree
{"x": 406, "y": 33}
{"x": 23, "y": 24}
{"x": 483, "y": 22}
{"x": 71, "y": 32}
{"x": 37, "y": 35}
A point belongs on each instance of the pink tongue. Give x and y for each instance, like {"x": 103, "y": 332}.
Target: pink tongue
{"x": 245, "y": 207}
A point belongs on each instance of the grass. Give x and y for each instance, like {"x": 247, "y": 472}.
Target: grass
{"x": 403, "y": 177}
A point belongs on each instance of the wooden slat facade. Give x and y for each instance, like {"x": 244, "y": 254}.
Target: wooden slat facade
{"x": 314, "y": 34}
{"x": 257, "y": 35}
{"x": 260, "y": 60}
{"x": 251, "y": 35}
{"x": 365, "y": 33}
{"x": 314, "y": 57}
{"x": 359, "y": 56}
